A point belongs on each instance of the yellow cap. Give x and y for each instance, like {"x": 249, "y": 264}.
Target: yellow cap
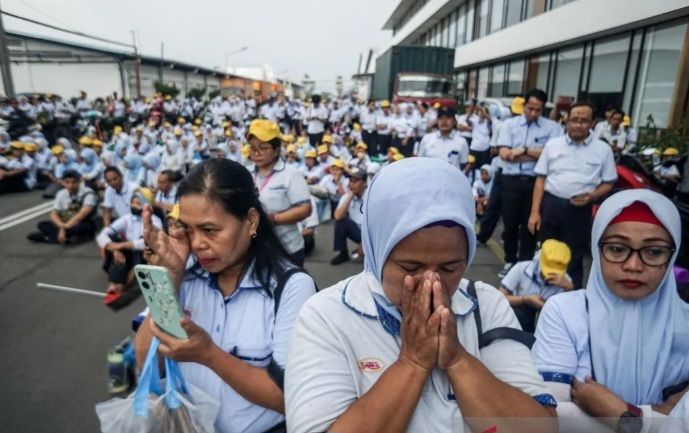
{"x": 287, "y": 138}
{"x": 145, "y": 194}
{"x": 338, "y": 163}
{"x": 228, "y": 133}
{"x": 292, "y": 148}
{"x": 57, "y": 150}
{"x": 264, "y": 130}
{"x": 246, "y": 151}
{"x": 626, "y": 121}
{"x": 30, "y": 147}
{"x": 17, "y": 145}
{"x": 198, "y": 133}
{"x": 117, "y": 129}
{"x": 310, "y": 154}
{"x": 397, "y": 157}
{"x": 437, "y": 105}
{"x": 472, "y": 159}
{"x": 357, "y": 127}
{"x": 301, "y": 140}
{"x": 178, "y": 131}
{"x": 181, "y": 120}
{"x": 555, "y": 257}
{"x": 168, "y": 97}
{"x": 394, "y": 150}
{"x": 97, "y": 143}
{"x": 85, "y": 141}
{"x": 323, "y": 149}
{"x": 362, "y": 145}
{"x": 197, "y": 121}
{"x": 174, "y": 212}
{"x": 517, "y": 105}
{"x": 225, "y": 124}
{"x": 327, "y": 139}
{"x": 670, "y": 151}
{"x": 165, "y": 125}
{"x": 385, "y": 104}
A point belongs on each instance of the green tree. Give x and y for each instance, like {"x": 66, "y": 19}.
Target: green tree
{"x": 166, "y": 89}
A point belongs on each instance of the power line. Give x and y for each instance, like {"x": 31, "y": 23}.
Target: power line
{"x": 61, "y": 29}
{"x": 41, "y": 12}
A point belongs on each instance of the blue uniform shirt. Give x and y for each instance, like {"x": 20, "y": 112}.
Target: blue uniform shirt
{"x": 516, "y": 132}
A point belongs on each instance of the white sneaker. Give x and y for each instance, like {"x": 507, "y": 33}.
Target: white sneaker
{"x": 505, "y": 269}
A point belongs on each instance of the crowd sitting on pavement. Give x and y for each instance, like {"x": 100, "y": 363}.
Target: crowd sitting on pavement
{"x": 240, "y": 189}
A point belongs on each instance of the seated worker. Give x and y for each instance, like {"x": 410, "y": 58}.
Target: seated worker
{"x": 335, "y": 183}
{"x": 124, "y": 245}
{"x": 349, "y": 215}
{"x": 616, "y": 355}
{"x": 311, "y": 170}
{"x": 165, "y": 194}
{"x": 71, "y": 219}
{"x": 530, "y": 283}
{"x": 481, "y": 188}
{"x": 118, "y": 195}
{"x": 18, "y": 173}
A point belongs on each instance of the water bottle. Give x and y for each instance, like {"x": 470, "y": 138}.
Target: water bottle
{"x": 117, "y": 370}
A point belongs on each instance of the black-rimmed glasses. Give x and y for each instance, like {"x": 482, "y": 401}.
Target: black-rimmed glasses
{"x": 655, "y": 255}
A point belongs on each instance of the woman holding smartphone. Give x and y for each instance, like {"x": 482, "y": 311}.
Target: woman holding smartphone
{"x": 237, "y": 346}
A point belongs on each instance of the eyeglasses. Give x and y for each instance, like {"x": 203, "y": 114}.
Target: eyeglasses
{"x": 261, "y": 149}
{"x": 578, "y": 121}
{"x": 651, "y": 256}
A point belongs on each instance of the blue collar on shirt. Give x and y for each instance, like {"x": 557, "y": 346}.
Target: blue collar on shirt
{"x": 246, "y": 282}
{"x": 586, "y": 141}
{"x": 533, "y": 271}
{"x": 523, "y": 121}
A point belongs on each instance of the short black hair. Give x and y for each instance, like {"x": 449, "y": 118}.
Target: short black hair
{"x": 71, "y": 174}
{"x": 582, "y": 104}
{"x": 616, "y": 111}
{"x": 169, "y": 174}
{"x": 536, "y": 93}
{"x": 112, "y": 169}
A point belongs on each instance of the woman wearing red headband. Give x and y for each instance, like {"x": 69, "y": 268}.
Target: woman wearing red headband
{"x": 618, "y": 351}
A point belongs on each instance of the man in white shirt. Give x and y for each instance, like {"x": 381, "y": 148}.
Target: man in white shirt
{"x": 465, "y": 122}
{"x": 367, "y": 119}
{"x": 349, "y": 216}
{"x": 574, "y": 172}
{"x": 446, "y": 143}
{"x": 117, "y": 197}
{"x": 18, "y": 173}
{"x": 384, "y": 128}
{"x": 316, "y": 116}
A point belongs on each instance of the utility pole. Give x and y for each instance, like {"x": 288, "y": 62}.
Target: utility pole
{"x": 162, "y": 56}
{"x": 5, "y": 67}
{"x": 137, "y": 62}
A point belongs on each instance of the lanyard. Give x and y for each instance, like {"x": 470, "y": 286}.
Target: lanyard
{"x": 264, "y": 182}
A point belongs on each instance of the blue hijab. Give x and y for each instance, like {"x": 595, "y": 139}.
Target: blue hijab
{"x": 135, "y": 165}
{"x": 637, "y": 347}
{"x": 89, "y": 159}
{"x": 409, "y": 195}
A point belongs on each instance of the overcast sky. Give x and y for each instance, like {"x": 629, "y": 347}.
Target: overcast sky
{"x": 320, "y": 37}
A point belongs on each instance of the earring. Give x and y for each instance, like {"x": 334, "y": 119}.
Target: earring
{"x": 253, "y": 235}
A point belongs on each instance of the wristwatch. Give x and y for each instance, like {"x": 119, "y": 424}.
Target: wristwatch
{"x": 631, "y": 420}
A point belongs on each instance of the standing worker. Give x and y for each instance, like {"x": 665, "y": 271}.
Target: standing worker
{"x": 574, "y": 172}
{"x": 520, "y": 142}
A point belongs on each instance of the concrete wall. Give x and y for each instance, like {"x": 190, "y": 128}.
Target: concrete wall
{"x": 67, "y": 80}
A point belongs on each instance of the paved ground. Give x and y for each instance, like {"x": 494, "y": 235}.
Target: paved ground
{"x": 53, "y": 366}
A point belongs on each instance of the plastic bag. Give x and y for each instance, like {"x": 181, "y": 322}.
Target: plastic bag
{"x": 180, "y": 408}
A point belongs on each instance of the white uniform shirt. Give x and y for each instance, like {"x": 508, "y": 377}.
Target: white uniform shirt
{"x": 571, "y": 169}
{"x": 128, "y": 228}
{"x": 168, "y": 198}
{"x": 120, "y": 202}
{"x": 328, "y": 182}
{"x": 385, "y": 122}
{"x": 64, "y": 201}
{"x": 467, "y": 121}
{"x": 516, "y": 132}
{"x": 284, "y": 189}
{"x": 368, "y": 120}
{"x": 452, "y": 148}
{"x": 341, "y": 347}
{"x": 316, "y": 118}
{"x": 480, "y": 134}
{"x": 245, "y": 325}
{"x": 29, "y": 164}
{"x": 524, "y": 278}
{"x": 355, "y": 210}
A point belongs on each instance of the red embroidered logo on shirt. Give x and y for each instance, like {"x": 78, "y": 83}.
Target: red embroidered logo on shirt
{"x": 370, "y": 364}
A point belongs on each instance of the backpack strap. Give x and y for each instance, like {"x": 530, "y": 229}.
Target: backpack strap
{"x": 502, "y": 333}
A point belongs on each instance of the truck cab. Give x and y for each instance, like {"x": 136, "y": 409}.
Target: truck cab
{"x": 424, "y": 87}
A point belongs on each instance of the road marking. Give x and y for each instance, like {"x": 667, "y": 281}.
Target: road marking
{"x": 23, "y": 217}
{"x": 25, "y": 211}
{"x": 70, "y": 290}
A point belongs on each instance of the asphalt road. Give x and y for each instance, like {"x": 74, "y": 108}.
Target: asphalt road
{"x": 53, "y": 345}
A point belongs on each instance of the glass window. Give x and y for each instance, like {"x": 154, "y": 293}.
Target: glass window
{"x": 496, "y": 15}
{"x": 461, "y": 80}
{"x": 537, "y": 76}
{"x": 471, "y": 16}
{"x": 483, "y": 19}
{"x": 631, "y": 71}
{"x": 658, "y": 73}
{"x": 461, "y": 25}
{"x": 515, "y": 78}
{"x": 528, "y": 9}
{"x": 567, "y": 73}
{"x": 497, "y": 81}
{"x": 445, "y": 32}
{"x": 514, "y": 12}
{"x": 554, "y": 4}
{"x": 453, "y": 30}
{"x": 608, "y": 65}
{"x": 482, "y": 86}
{"x": 471, "y": 84}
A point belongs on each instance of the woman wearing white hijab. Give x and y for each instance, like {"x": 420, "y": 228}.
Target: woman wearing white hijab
{"x": 396, "y": 347}
{"x": 636, "y": 363}
{"x": 173, "y": 158}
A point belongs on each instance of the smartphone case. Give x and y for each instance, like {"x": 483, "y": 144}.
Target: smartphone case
{"x": 159, "y": 292}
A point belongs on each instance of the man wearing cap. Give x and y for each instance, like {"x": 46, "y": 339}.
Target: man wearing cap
{"x": 282, "y": 190}
{"x": 384, "y": 125}
{"x": 520, "y": 143}
{"x": 574, "y": 172}
{"x": 71, "y": 219}
{"x": 336, "y": 182}
{"x": 325, "y": 159}
{"x": 446, "y": 143}
{"x": 19, "y": 172}
{"x": 349, "y": 216}
{"x": 530, "y": 283}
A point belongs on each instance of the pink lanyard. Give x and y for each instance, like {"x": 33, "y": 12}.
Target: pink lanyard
{"x": 265, "y": 181}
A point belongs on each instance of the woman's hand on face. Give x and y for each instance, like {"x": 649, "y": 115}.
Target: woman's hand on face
{"x": 450, "y": 350}
{"x": 597, "y": 400}
{"x": 198, "y": 347}
{"x": 172, "y": 250}
{"x": 420, "y": 325}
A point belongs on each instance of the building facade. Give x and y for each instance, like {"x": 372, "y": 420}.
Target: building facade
{"x": 632, "y": 54}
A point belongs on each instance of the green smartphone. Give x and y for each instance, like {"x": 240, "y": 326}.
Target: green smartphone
{"x": 159, "y": 292}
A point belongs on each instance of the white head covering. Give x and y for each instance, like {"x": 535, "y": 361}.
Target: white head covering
{"x": 407, "y": 196}
{"x": 638, "y": 347}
